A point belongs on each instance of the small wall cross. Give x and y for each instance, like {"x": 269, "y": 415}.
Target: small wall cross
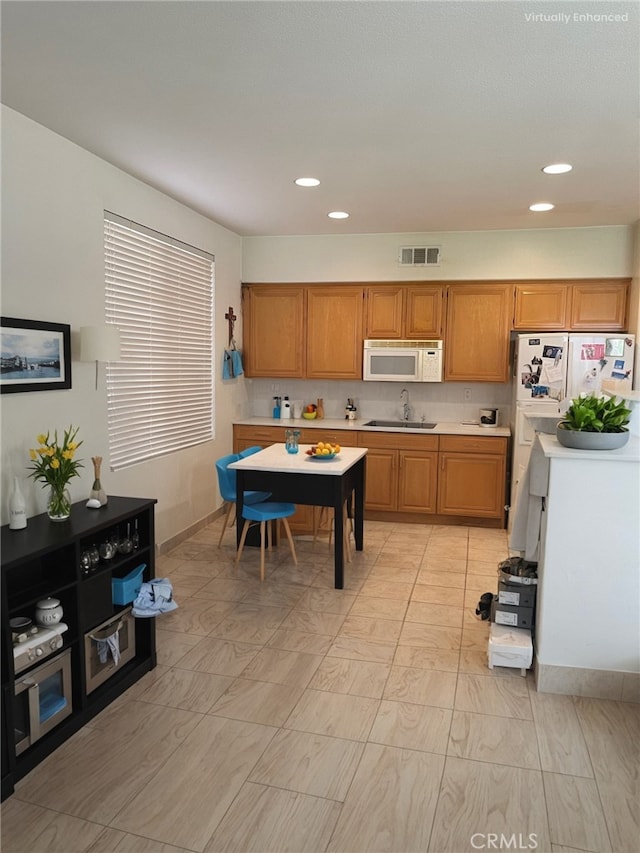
{"x": 231, "y": 318}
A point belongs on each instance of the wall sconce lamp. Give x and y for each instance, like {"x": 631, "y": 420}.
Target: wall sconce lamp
{"x": 99, "y": 343}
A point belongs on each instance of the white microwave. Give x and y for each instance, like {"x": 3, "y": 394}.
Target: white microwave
{"x": 402, "y": 361}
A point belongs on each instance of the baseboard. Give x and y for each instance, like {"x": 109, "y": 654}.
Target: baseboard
{"x": 595, "y": 683}
{"x": 169, "y": 544}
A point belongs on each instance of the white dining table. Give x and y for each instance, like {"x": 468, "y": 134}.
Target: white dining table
{"x": 302, "y": 479}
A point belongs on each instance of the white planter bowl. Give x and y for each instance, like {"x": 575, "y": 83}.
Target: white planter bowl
{"x": 591, "y": 440}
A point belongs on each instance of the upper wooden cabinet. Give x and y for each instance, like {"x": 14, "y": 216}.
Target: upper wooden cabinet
{"x": 317, "y": 330}
{"x": 571, "y": 305}
{"x": 540, "y": 306}
{"x": 334, "y": 332}
{"x": 298, "y": 331}
{"x": 599, "y": 305}
{"x": 273, "y": 330}
{"x": 412, "y": 311}
{"x": 478, "y": 326}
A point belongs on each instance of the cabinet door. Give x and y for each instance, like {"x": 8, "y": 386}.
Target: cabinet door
{"x": 423, "y": 311}
{"x": 417, "y": 481}
{"x": 384, "y": 312}
{"x": 471, "y": 485}
{"x": 476, "y": 347}
{"x": 334, "y": 332}
{"x": 273, "y": 330}
{"x": 600, "y": 305}
{"x": 541, "y": 307}
{"x": 382, "y": 480}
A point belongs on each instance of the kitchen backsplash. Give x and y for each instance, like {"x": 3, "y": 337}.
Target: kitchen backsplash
{"x": 444, "y": 401}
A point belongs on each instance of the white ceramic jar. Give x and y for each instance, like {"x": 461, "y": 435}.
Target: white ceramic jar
{"x": 48, "y": 611}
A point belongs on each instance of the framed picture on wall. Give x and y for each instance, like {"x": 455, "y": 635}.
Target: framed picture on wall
{"x": 36, "y": 356}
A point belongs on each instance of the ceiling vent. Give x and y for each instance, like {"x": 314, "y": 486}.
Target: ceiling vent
{"x": 420, "y": 256}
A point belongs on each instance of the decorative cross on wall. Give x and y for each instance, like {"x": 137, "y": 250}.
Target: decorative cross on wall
{"x": 231, "y": 318}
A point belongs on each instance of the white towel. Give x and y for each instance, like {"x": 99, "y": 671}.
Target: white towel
{"x": 525, "y": 532}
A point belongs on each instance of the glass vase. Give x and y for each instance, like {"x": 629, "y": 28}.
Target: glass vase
{"x": 292, "y": 437}
{"x": 59, "y": 503}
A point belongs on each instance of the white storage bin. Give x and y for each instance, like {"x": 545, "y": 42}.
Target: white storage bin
{"x": 510, "y": 647}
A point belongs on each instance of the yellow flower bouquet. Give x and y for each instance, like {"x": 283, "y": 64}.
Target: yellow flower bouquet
{"x": 55, "y": 464}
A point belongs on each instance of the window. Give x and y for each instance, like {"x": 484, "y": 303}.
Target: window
{"x": 159, "y": 293}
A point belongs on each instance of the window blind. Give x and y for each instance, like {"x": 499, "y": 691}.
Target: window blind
{"x": 159, "y": 292}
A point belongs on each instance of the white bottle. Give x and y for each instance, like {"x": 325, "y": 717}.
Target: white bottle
{"x": 17, "y": 508}
{"x": 285, "y": 409}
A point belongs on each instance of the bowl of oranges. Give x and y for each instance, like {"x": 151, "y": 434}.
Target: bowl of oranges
{"x": 323, "y": 451}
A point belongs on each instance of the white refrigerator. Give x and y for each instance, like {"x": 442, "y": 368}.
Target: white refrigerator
{"x": 549, "y": 371}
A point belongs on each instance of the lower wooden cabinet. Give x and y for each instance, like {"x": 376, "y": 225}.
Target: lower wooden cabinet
{"x": 410, "y": 473}
{"x": 402, "y": 471}
{"x": 471, "y": 476}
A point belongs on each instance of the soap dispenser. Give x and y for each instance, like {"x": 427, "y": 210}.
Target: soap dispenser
{"x": 285, "y": 409}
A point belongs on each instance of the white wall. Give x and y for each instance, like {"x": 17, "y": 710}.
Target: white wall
{"x": 53, "y": 197}
{"x": 544, "y": 253}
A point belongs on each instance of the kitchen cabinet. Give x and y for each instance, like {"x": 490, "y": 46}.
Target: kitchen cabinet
{"x": 44, "y": 560}
{"x": 540, "y": 306}
{"x": 298, "y": 331}
{"x": 478, "y": 325}
{"x": 404, "y": 311}
{"x": 410, "y": 474}
{"x": 571, "y": 305}
{"x": 402, "y": 472}
{"x": 471, "y": 476}
{"x": 273, "y": 319}
{"x": 599, "y": 305}
{"x": 334, "y": 337}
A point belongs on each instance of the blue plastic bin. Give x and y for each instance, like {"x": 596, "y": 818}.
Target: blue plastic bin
{"x": 125, "y": 590}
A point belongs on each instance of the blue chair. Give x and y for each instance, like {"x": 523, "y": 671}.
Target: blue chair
{"x": 266, "y": 511}
{"x": 227, "y": 486}
{"x": 249, "y": 451}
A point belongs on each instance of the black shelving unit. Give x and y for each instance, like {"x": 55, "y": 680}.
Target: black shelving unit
{"x": 44, "y": 560}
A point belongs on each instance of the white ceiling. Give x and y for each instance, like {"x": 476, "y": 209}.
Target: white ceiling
{"x": 416, "y": 116}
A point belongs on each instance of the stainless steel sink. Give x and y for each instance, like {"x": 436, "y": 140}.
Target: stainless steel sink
{"x": 404, "y": 424}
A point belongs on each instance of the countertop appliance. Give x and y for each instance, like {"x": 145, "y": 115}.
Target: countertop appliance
{"x": 549, "y": 371}
{"x": 402, "y": 361}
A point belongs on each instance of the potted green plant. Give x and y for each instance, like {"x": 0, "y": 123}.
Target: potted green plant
{"x": 594, "y": 423}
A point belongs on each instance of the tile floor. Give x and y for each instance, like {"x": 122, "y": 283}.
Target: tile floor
{"x": 289, "y": 716}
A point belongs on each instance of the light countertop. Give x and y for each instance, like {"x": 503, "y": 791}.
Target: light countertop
{"x": 275, "y": 458}
{"x": 442, "y": 428}
{"x": 554, "y": 450}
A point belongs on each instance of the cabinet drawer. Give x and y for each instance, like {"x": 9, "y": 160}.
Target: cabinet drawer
{"x": 398, "y": 440}
{"x": 260, "y": 435}
{"x": 343, "y": 437}
{"x": 472, "y": 444}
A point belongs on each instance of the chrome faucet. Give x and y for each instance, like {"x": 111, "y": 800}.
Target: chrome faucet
{"x": 406, "y": 409}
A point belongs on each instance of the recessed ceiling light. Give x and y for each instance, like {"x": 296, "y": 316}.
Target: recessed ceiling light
{"x": 307, "y": 182}
{"x": 557, "y": 168}
{"x": 542, "y": 205}
{"x": 338, "y": 214}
